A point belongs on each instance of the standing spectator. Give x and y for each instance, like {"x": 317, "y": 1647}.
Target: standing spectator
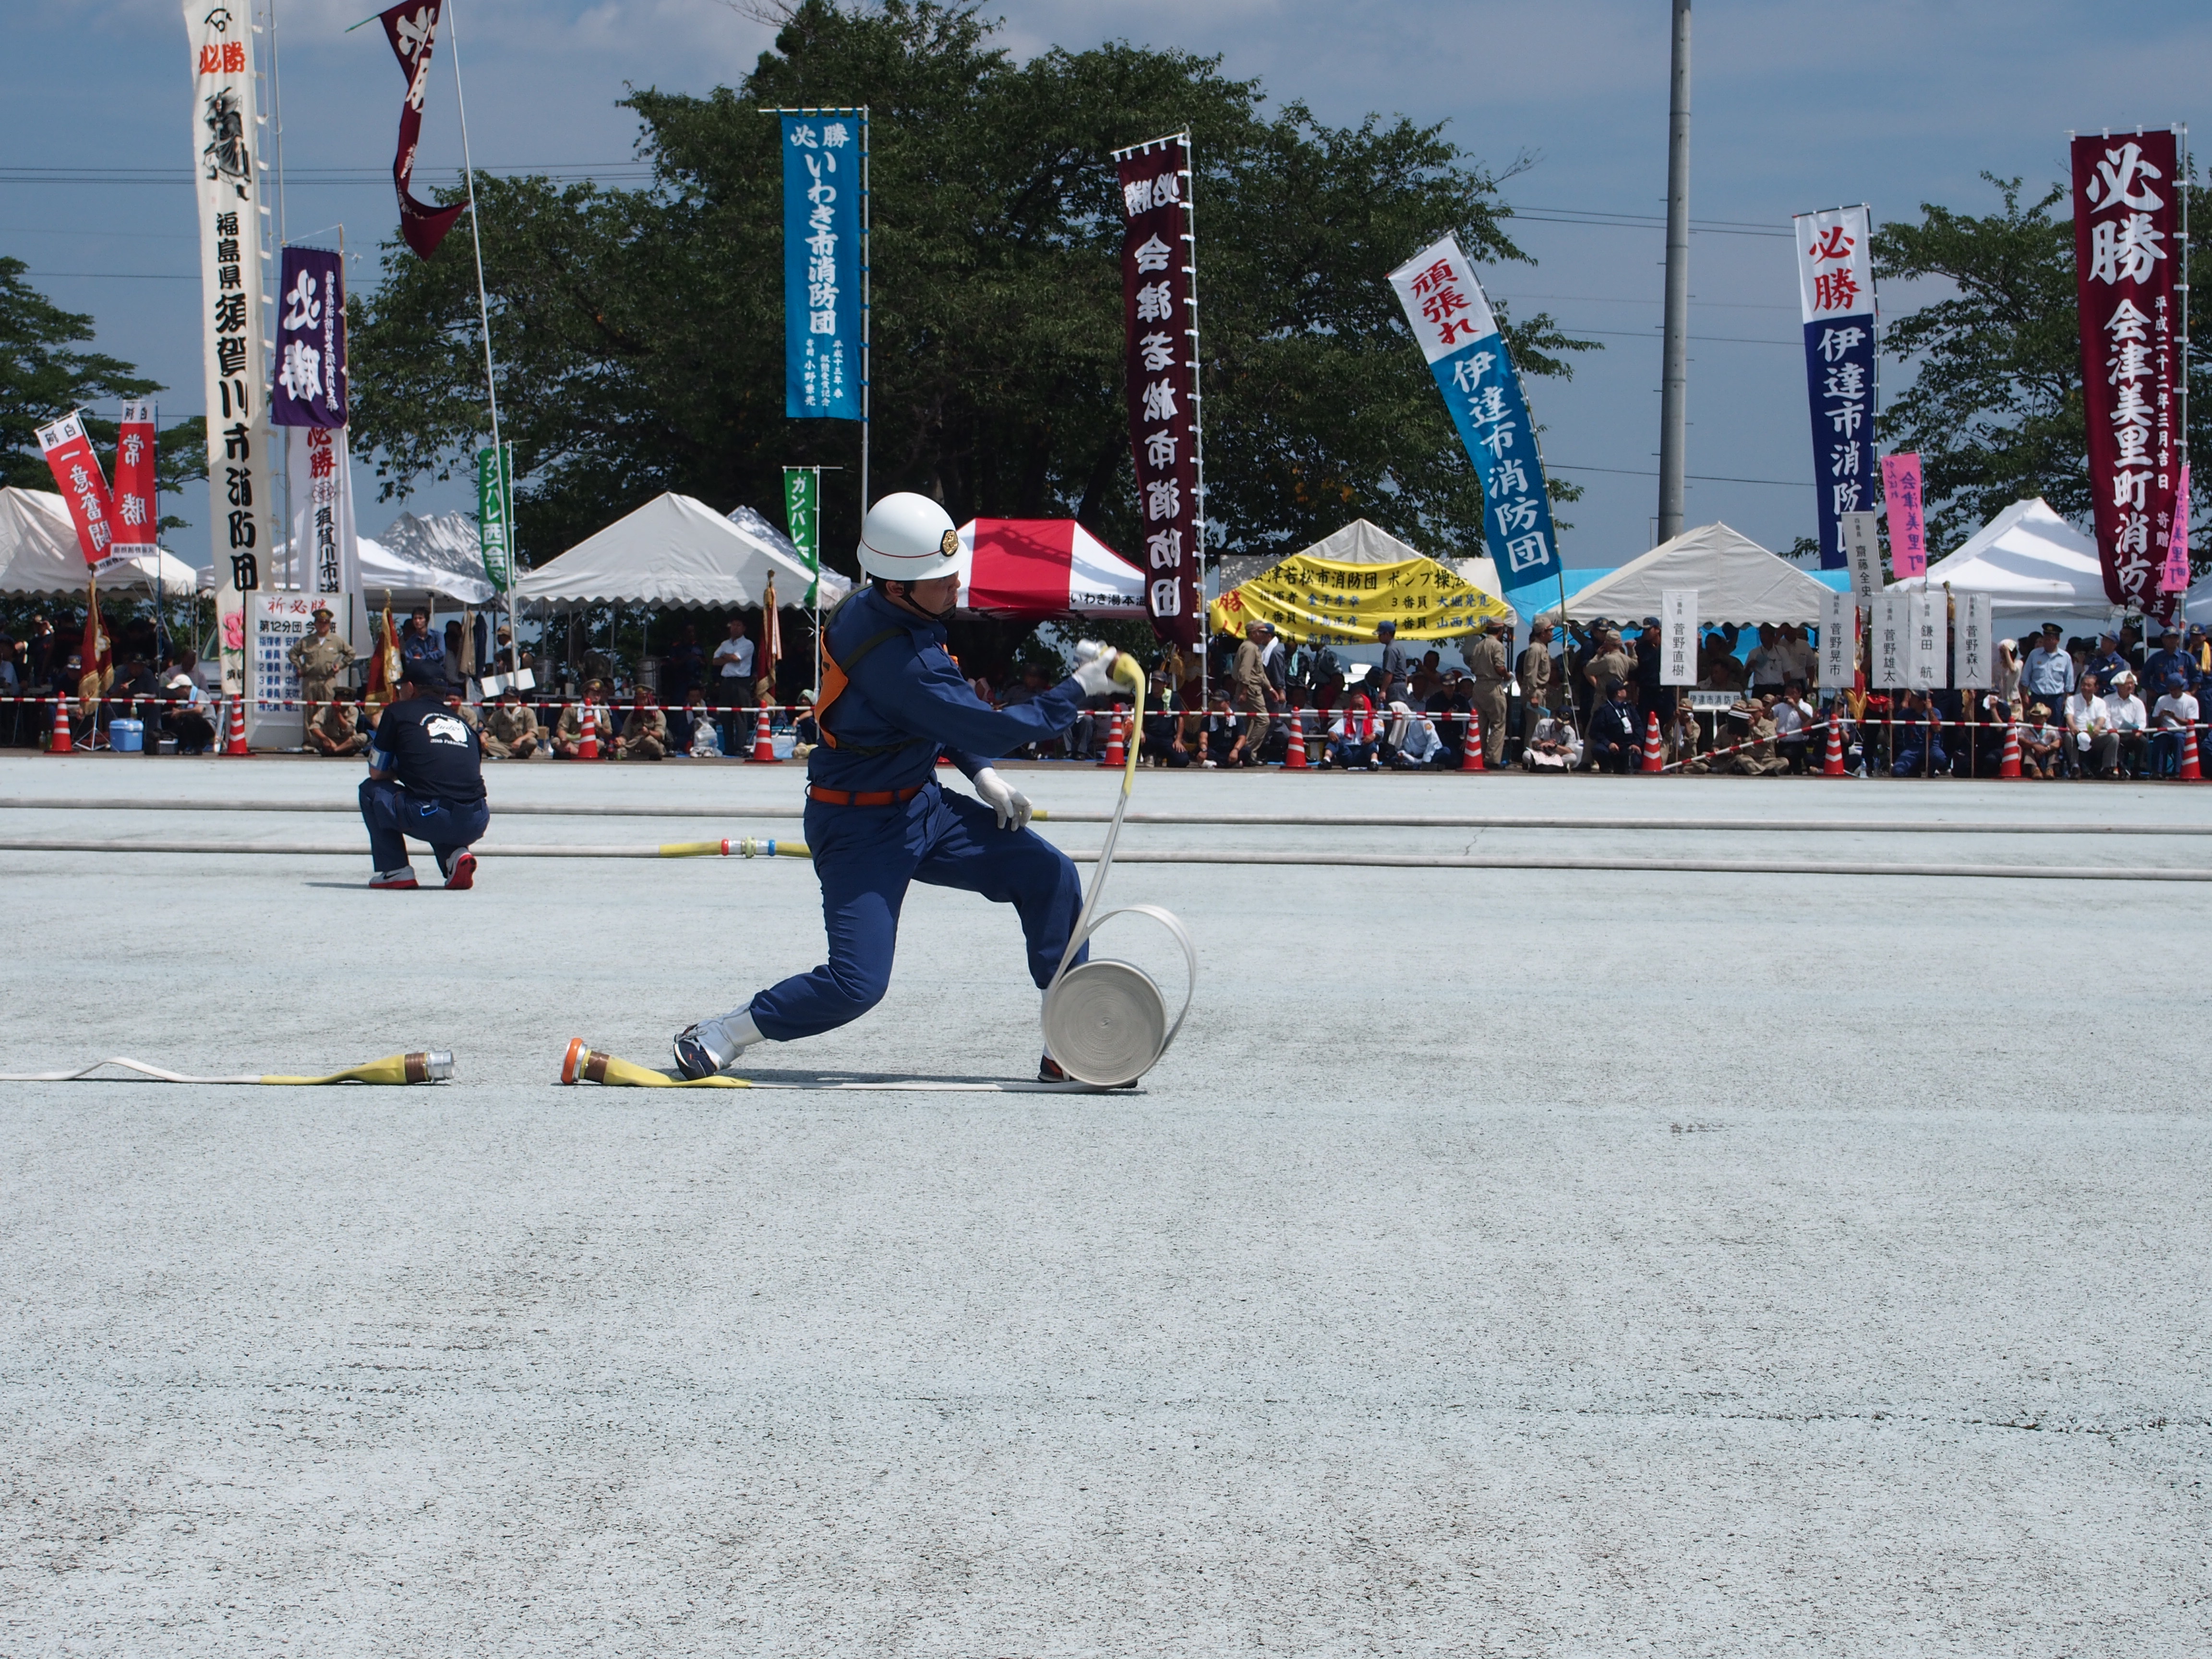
{"x": 2048, "y": 675}
{"x": 681, "y": 668}
{"x": 1652, "y": 697}
{"x": 2168, "y": 660}
{"x": 2130, "y": 724}
{"x": 1608, "y": 662}
{"x": 1250, "y": 679}
{"x": 1485, "y": 656}
{"x": 1613, "y": 744}
{"x": 418, "y": 644}
{"x": 1764, "y": 666}
{"x": 1397, "y": 667}
{"x": 2005, "y": 672}
{"x": 2107, "y": 660}
{"x": 734, "y": 672}
{"x": 456, "y": 660}
{"x": 645, "y": 730}
{"x": 1536, "y": 675}
{"x": 1792, "y": 714}
{"x": 2170, "y": 716}
{"x": 1275, "y": 664}
{"x": 2092, "y": 748}
{"x": 322, "y": 658}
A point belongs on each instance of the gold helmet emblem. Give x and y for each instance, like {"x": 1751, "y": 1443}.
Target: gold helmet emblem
{"x": 949, "y": 543}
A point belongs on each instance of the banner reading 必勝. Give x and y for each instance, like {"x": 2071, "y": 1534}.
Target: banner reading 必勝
{"x": 1908, "y": 527}
{"x": 1160, "y": 334}
{"x": 1678, "y": 636}
{"x": 76, "y": 472}
{"x": 310, "y": 387}
{"x": 228, "y": 182}
{"x": 802, "y": 516}
{"x": 822, "y": 265}
{"x": 1835, "y": 298}
{"x": 2126, "y": 252}
{"x": 1331, "y": 603}
{"x": 1839, "y": 641}
{"x": 1451, "y": 319}
{"x": 324, "y": 551}
{"x": 495, "y": 513}
{"x": 135, "y": 488}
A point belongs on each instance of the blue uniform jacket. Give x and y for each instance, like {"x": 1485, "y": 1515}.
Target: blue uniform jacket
{"x": 908, "y": 688}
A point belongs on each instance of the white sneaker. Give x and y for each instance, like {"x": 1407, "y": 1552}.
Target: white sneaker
{"x": 714, "y": 1045}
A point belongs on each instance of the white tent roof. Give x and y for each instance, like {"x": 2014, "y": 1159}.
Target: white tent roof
{"x": 2034, "y": 566}
{"x": 38, "y": 552}
{"x": 2197, "y": 603}
{"x": 1737, "y": 580}
{"x": 1359, "y": 543}
{"x": 677, "y": 553}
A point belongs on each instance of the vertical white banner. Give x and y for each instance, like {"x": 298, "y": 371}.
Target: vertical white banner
{"x": 1888, "y": 627}
{"x": 1839, "y": 641}
{"x": 1975, "y": 621}
{"x": 322, "y": 554}
{"x": 1929, "y": 652}
{"x": 241, "y": 508}
{"x": 1678, "y": 636}
{"x": 1863, "y": 553}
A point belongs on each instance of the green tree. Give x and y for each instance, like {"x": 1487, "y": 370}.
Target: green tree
{"x": 1994, "y": 408}
{"x": 42, "y": 379}
{"x": 639, "y": 333}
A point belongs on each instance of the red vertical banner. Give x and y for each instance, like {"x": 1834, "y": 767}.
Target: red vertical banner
{"x": 1160, "y": 313}
{"x": 77, "y": 475}
{"x": 2126, "y": 249}
{"x": 134, "y": 480}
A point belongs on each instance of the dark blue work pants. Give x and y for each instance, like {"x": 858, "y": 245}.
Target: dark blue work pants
{"x": 866, "y": 856}
{"x": 391, "y": 814}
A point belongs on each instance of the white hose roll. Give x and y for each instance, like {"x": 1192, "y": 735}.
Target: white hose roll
{"x": 1106, "y": 1021}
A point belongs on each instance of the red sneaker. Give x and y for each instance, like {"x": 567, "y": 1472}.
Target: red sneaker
{"x": 462, "y": 875}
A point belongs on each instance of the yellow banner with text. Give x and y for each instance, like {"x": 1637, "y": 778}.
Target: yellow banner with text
{"x": 1332, "y": 604}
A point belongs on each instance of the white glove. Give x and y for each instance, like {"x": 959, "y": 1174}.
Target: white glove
{"x": 1009, "y": 803}
{"x": 1095, "y": 667}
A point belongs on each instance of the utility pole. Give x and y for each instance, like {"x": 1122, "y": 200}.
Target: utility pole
{"x": 1674, "y": 388}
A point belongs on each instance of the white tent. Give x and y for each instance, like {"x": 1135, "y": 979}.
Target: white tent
{"x": 1737, "y": 580}
{"x": 1359, "y": 543}
{"x": 2197, "y": 603}
{"x": 2034, "y": 566}
{"x": 678, "y": 554}
{"x": 38, "y": 552}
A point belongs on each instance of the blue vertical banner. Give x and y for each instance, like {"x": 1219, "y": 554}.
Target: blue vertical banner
{"x": 1451, "y": 319}
{"x": 822, "y": 292}
{"x": 1835, "y": 298}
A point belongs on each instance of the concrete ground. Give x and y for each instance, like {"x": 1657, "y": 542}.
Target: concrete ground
{"x": 1505, "y": 1263}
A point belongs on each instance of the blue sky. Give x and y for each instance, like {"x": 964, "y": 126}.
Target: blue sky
{"x": 1796, "y": 106}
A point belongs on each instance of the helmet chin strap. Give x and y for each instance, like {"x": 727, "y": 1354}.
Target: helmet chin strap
{"x": 907, "y": 600}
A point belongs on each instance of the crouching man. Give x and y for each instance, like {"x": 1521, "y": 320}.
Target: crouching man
{"x": 425, "y": 780}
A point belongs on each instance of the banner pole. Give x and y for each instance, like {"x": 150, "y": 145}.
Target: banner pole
{"x": 867, "y": 330}
{"x": 476, "y": 241}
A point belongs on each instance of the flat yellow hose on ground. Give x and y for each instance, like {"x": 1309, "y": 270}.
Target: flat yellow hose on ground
{"x": 582, "y": 1064}
{"x": 435, "y": 1066}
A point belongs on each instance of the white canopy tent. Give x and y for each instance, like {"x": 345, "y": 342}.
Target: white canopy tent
{"x": 2034, "y": 566}
{"x": 676, "y": 554}
{"x": 39, "y": 553}
{"x": 1360, "y": 541}
{"x": 1737, "y": 580}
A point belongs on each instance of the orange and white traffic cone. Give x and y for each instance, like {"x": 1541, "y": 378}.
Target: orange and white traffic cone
{"x": 61, "y": 742}
{"x": 2191, "y": 772}
{"x": 1294, "y": 758}
{"x": 588, "y": 735}
{"x": 1117, "y": 752}
{"x": 1834, "y": 766}
{"x": 763, "y": 743}
{"x": 1654, "y": 758}
{"x": 237, "y": 744}
{"x": 2008, "y": 767}
{"x": 1470, "y": 755}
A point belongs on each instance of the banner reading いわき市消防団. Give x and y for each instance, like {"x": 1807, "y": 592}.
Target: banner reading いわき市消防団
{"x": 822, "y": 288}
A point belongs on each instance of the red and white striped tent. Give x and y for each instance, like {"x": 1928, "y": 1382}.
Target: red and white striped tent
{"x": 1031, "y": 569}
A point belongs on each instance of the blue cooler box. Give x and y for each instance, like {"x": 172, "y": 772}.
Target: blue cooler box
{"x": 127, "y": 737}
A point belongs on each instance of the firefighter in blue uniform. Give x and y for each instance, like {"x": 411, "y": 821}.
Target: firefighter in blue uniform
{"x": 891, "y": 700}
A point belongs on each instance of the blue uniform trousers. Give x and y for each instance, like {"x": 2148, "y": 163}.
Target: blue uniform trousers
{"x": 392, "y": 813}
{"x": 866, "y": 856}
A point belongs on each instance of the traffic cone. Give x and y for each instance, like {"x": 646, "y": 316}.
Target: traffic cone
{"x": 237, "y": 744}
{"x": 1834, "y": 766}
{"x": 2191, "y": 772}
{"x": 763, "y": 744}
{"x": 1294, "y": 756}
{"x": 1117, "y": 753}
{"x": 61, "y": 742}
{"x": 587, "y": 738}
{"x": 2008, "y": 767}
{"x": 1655, "y": 759}
{"x": 1470, "y": 755}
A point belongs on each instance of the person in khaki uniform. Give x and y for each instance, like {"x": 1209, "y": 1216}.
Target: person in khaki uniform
{"x": 569, "y": 730}
{"x": 1759, "y": 759}
{"x": 510, "y": 730}
{"x": 323, "y": 659}
{"x": 645, "y": 730}
{"x": 1485, "y": 655}
{"x": 1535, "y": 672}
{"x": 333, "y": 731}
{"x": 1609, "y": 660}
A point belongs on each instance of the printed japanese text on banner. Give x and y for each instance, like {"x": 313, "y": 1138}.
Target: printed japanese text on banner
{"x": 310, "y": 388}
{"x": 1678, "y": 636}
{"x": 77, "y": 474}
{"x": 226, "y": 180}
{"x": 1975, "y": 612}
{"x": 1160, "y": 332}
{"x": 319, "y": 472}
{"x": 1862, "y": 534}
{"x": 1332, "y": 604}
{"x": 1928, "y": 656}
{"x": 1839, "y": 640}
{"x": 135, "y": 488}
{"x": 412, "y": 28}
{"x": 1908, "y": 527}
{"x": 496, "y": 512}
{"x": 1450, "y": 317}
{"x": 802, "y": 516}
{"x": 821, "y": 266}
{"x": 1835, "y": 298}
{"x": 2175, "y": 577}
{"x": 1889, "y": 636}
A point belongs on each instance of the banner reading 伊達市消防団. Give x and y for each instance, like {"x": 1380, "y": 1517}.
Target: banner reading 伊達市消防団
{"x": 2126, "y": 247}
{"x": 1835, "y": 301}
{"x": 1160, "y": 323}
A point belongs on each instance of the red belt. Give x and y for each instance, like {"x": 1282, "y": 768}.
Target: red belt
{"x": 861, "y": 797}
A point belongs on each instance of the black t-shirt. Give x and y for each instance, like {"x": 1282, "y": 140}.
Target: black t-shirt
{"x": 430, "y": 750}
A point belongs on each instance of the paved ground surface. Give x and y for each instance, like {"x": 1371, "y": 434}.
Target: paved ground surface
{"x": 1544, "y": 1263}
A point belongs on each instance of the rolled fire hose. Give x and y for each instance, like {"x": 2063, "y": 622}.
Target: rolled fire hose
{"x": 435, "y": 1066}
{"x": 1106, "y": 1021}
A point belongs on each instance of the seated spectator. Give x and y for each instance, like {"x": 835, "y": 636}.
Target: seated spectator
{"x": 1355, "y": 732}
{"x": 1163, "y": 734}
{"x": 1919, "y": 739}
{"x": 2171, "y": 718}
{"x": 1427, "y": 677}
{"x": 1684, "y": 738}
{"x": 1612, "y": 740}
{"x": 2040, "y": 745}
{"x": 335, "y": 729}
{"x": 1554, "y": 747}
{"x": 510, "y": 732}
{"x": 185, "y": 716}
{"x": 1451, "y": 706}
{"x": 645, "y": 730}
{"x": 1793, "y": 718}
{"x": 569, "y": 730}
{"x": 1223, "y": 742}
{"x": 2131, "y": 725}
{"x": 1413, "y": 739}
{"x": 2093, "y": 750}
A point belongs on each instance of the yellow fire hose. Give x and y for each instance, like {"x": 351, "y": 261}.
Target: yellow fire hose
{"x": 586, "y": 1065}
{"x": 435, "y": 1066}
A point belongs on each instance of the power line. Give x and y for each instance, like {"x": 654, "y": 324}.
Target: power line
{"x": 1700, "y": 477}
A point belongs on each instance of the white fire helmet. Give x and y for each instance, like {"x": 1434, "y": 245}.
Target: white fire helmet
{"x": 909, "y": 538}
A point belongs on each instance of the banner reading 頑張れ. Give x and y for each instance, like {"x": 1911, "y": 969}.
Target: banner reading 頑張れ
{"x": 802, "y": 515}
{"x": 821, "y": 291}
{"x": 1835, "y": 299}
{"x": 1160, "y": 329}
{"x": 2125, "y": 251}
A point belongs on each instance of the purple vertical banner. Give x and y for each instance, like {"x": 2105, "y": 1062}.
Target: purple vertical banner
{"x": 311, "y": 368}
{"x": 1908, "y": 526}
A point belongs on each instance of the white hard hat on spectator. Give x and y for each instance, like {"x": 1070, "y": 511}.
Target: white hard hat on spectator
{"x": 909, "y": 538}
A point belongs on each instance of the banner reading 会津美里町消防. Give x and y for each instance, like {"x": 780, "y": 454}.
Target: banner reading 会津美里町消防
{"x": 1160, "y": 340}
